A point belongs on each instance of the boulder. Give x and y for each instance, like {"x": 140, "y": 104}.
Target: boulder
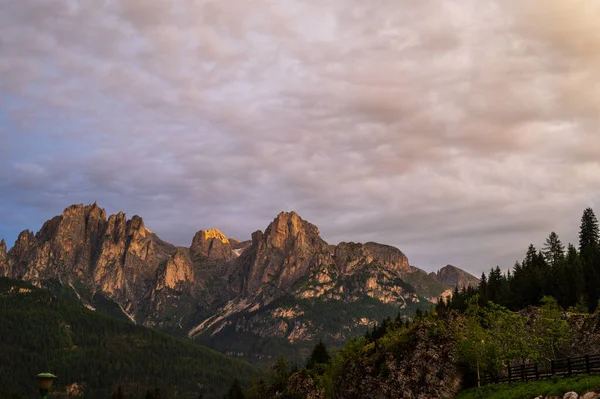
{"x": 571, "y": 395}
{"x": 590, "y": 395}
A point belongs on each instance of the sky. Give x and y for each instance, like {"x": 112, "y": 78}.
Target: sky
{"x": 459, "y": 131}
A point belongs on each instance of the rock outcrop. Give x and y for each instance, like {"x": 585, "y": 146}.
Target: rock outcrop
{"x": 454, "y": 277}
{"x": 211, "y": 244}
{"x": 288, "y": 251}
{"x": 177, "y": 270}
{"x": 421, "y": 366}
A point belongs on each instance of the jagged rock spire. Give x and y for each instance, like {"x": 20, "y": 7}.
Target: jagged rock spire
{"x": 211, "y": 244}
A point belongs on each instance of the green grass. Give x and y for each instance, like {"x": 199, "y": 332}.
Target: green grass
{"x": 522, "y": 390}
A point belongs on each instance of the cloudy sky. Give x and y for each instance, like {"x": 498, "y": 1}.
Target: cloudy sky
{"x": 458, "y": 130}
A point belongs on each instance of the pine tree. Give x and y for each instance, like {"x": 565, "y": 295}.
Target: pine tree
{"x": 571, "y": 279}
{"x": 483, "y": 290}
{"x": 590, "y": 257}
{"x": 319, "y": 355}
{"x": 529, "y": 256}
{"x": 588, "y": 233}
{"x": 554, "y": 250}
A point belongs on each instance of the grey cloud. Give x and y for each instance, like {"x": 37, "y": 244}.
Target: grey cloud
{"x": 458, "y": 131}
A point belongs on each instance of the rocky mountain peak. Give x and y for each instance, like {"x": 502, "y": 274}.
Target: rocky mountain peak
{"x": 136, "y": 227}
{"x": 211, "y": 244}
{"x": 455, "y": 277}
{"x": 116, "y": 227}
{"x": 257, "y": 236}
{"x": 217, "y": 235}
{"x": 284, "y": 254}
{"x": 287, "y": 228}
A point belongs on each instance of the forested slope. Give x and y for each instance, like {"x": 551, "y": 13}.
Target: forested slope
{"x": 95, "y": 353}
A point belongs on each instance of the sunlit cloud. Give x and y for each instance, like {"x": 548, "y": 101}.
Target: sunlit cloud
{"x": 459, "y": 131}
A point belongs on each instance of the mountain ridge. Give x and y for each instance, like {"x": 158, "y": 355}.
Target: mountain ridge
{"x": 271, "y": 287}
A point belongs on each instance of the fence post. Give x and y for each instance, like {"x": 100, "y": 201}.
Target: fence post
{"x": 509, "y": 373}
{"x": 537, "y": 373}
{"x": 569, "y": 368}
{"x": 523, "y": 372}
{"x": 552, "y": 366}
{"x": 587, "y": 364}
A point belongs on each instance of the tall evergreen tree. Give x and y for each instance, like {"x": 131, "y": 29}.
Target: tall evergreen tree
{"x": 483, "y": 290}
{"x": 572, "y": 278}
{"x": 554, "y": 250}
{"x": 590, "y": 257}
{"x": 530, "y": 256}
{"x": 319, "y": 355}
{"x": 588, "y": 233}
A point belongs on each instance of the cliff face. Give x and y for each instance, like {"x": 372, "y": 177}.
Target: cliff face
{"x": 297, "y": 288}
{"x": 211, "y": 244}
{"x": 115, "y": 256}
{"x": 285, "y": 284}
{"x": 288, "y": 251}
{"x": 421, "y": 366}
{"x": 454, "y": 277}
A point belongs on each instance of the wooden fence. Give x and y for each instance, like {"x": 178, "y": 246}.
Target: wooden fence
{"x": 567, "y": 367}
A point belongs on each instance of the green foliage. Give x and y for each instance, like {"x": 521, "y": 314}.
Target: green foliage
{"x": 551, "y": 329}
{"x": 526, "y": 390}
{"x": 495, "y": 337}
{"x": 475, "y": 348}
{"x": 44, "y": 332}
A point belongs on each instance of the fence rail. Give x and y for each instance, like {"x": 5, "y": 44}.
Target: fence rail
{"x": 566, "y": 367}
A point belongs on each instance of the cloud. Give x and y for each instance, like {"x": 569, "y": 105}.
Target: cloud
{"x": 457, "y": 131}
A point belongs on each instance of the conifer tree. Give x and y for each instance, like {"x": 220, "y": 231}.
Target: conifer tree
{"x": 483, "y": 290}
{"x": 589, "y": 232}
{"x": 554, "y": 250}
{"x": 319, "y": 355}
{"x": 590, "y": 257}
{"x": 530, "y": 256}
{"x": 573, "y": 279}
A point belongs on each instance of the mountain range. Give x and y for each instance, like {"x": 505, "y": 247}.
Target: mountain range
{"x": 278, "y": 293}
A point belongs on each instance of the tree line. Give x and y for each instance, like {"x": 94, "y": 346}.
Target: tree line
{"x": 570, "y": 274}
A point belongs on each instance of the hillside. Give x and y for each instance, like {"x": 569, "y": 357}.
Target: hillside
{"x": 95, "y": 353}
{"x": 287, "y": 286}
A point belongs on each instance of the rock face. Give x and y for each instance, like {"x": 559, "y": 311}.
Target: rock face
{"x": 456, "y": 278}
{"x": 286, "y": 284}
{"x": 292, "y": 281}
{"x": 422, "y": 367}
{"x": 211, "y": 244}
